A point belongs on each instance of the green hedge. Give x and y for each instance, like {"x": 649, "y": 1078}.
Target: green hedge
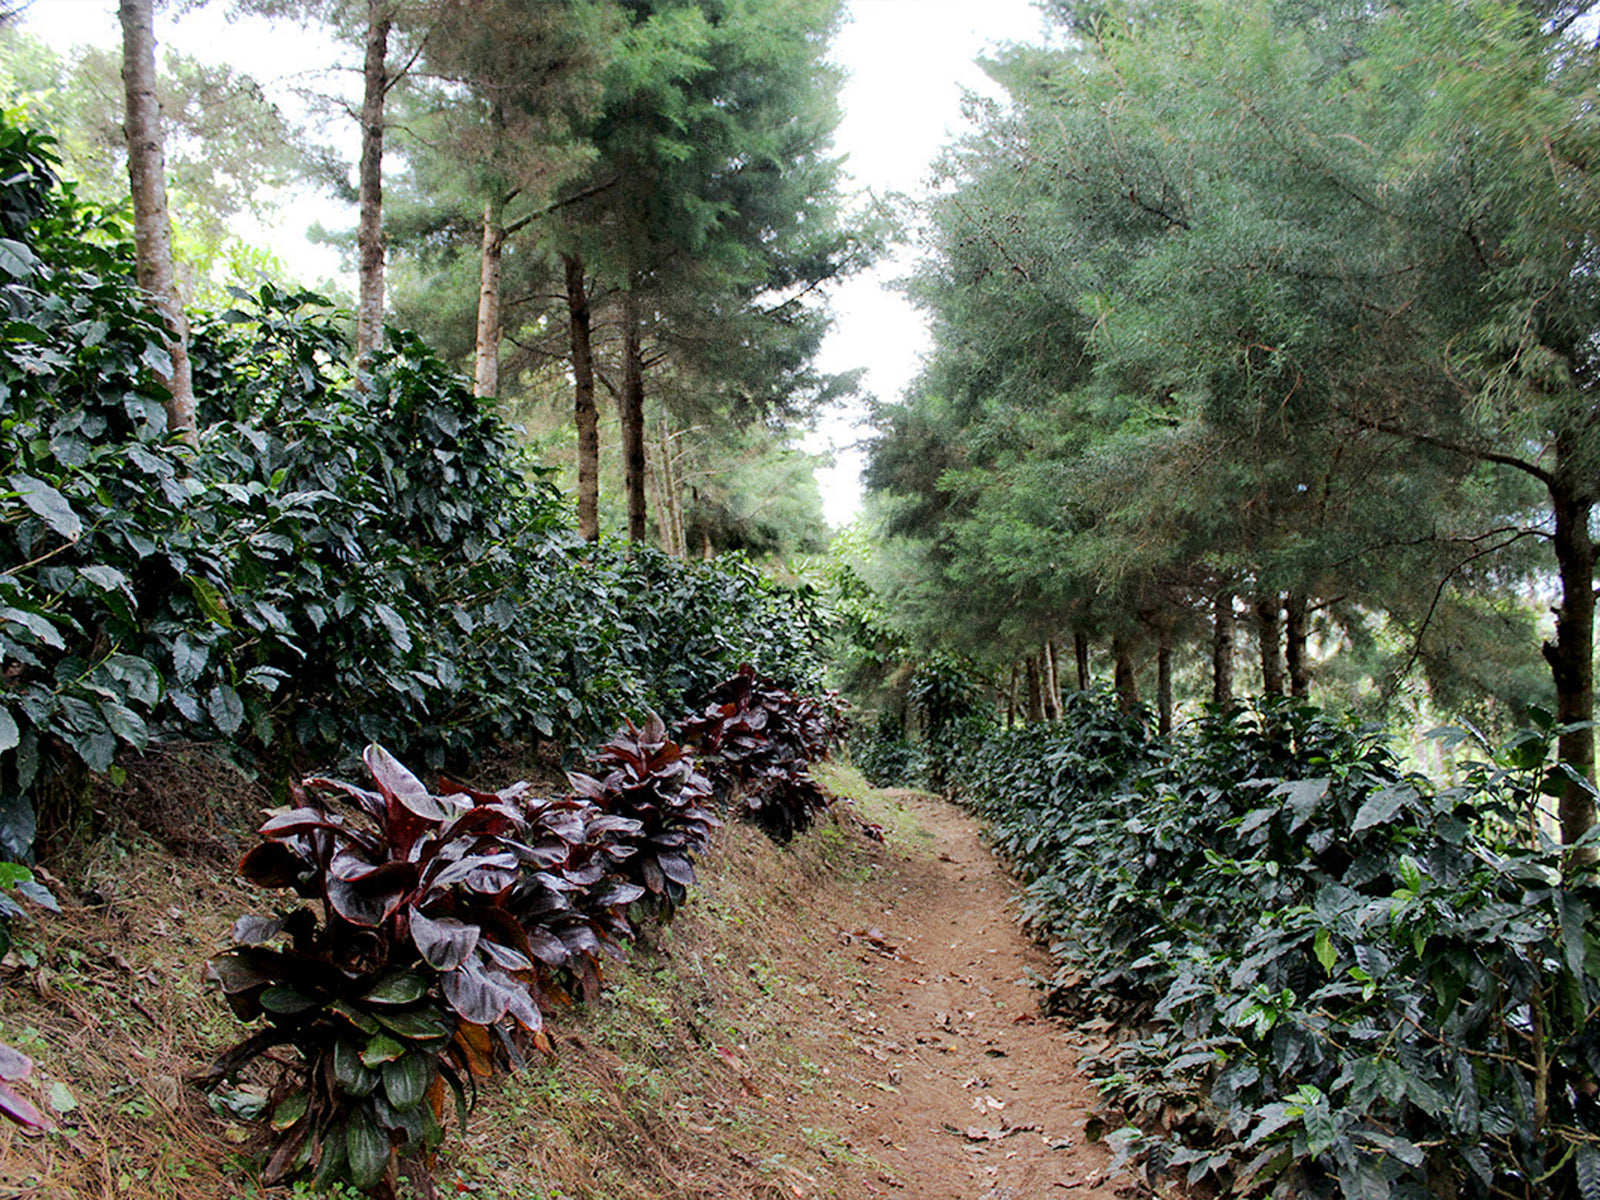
{"x": 1335, "y": 976}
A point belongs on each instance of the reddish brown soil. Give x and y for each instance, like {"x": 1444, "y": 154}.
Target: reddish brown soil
{"x": 960, "y": 1089}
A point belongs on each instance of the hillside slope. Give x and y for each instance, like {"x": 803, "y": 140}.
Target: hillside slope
{"x": 840, "y": 1018}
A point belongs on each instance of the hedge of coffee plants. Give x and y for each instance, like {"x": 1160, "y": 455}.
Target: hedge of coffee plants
{"x": 1334, "y": 977}
{"x": 436, "y": 930}
{"x": 341, "y": 560}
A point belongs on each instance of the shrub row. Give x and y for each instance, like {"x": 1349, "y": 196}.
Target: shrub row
{"x": 344, "y": 559}
{"x": 1335, "y": 977}
{"x": 440, "y": 927}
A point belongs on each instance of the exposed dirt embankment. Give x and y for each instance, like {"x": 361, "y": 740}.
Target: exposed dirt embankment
{"x": 838, "y": 1018}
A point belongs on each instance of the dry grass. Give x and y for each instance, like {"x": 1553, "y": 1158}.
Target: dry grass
{"x": 693, "y": 1080}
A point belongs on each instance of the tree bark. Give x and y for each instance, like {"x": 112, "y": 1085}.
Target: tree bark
{"x": 1164, "y": 676}
{"x": 585, "y": 416}
{"x": 152, "y": 225}
{"x": 1222, "y": 637}
{"x": 1123, "y": 675}
{"x": 369, "y": 230}
{"x": 1052, "y": 684}
{"x": 1295, "y": 634}
{"x": 1269, "y": 633}
{"x": 632, "y": 406}
{"x": 486, "y": 372}
{"x": 1035, "y": 691}
{"x": 1011, "y": 699}
{"x": 1571, "y": 659}
{"x": 1080, "y": 650}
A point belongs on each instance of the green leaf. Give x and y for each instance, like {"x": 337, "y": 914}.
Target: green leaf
{"x": 10, "y": 735}
{"x": 210, "y": 601}
{"x": 353, "y": 1075}
{"x": 50, "y": 505}
{"x": 285, "y": 1000}
{"x": 1323, "y": 947}
{"x": 1382, "y": 805}
{"x": 226, "y": 709}
{"x": 405, "y": 1080}
{"x": 290, "y": 1111}
{"x": 1587, "y": 1164}
{"x": 397, "y": 987}
{"x": 16, "y": 260}
{"x": 381, "y": 1048}
{"x": 368, "y": 1149}
{"x": 395, "y": 625}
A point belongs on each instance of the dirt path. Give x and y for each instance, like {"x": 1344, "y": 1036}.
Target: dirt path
{"x": 968, "y": 1094}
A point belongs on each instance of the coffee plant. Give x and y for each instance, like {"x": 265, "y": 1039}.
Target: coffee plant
{"x": 1338, "y": 977}
{"x": 341, "y": 561}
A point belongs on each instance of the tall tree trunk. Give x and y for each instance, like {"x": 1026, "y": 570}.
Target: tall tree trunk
{"x": 1052, "y": 684}
{"x": 152, "y": 226}
{"x": 1035, "y": 690}
{"x": 669, "y": 497}
{"x": 1011, "y": 699}
{"x": 1222, "y": 626}
{"x": 1123, "y": 676}
{"x": 632, "y": 406}
{"x": 1269, "y": 631}
{"x": 486, "y": 372}
{"x": 1571, "y": 659}
{"x": 1295, "y": 633}
{"x": 1164, "y": 676}
{"x": 1080, "y": 650}
{"x": 369, "y": 230}
{"x": 585, "y": 415}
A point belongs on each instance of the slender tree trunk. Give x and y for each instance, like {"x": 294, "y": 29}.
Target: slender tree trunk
{"x": 369, "y": 230}
{"x": 1295, "y": 633}
{"x": 1123, "y": 675}
{"x": 1080, "y": 650}
{"x": 1052, "y": 684}
{"x": 1571, "y": 659}
{"x": 1222, "y": 626}
{"x": 585, "y": 415}
{"x": 152, "y": 226}
{"x": 486, "y": 373}
{"x": 1035, "y": 691}
{"x": 632, "y": 405}
{"x": 1011, "y": 699}
{"x": 707, "y": 551}
{"x": 669, "y": 497}
{"x": 1269, "y": 632}
{"x": 1164, "y": 676}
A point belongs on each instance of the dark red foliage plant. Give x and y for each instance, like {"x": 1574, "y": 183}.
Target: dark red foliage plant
{"x": 644, "y": 776}
{"x": 758, "y": 741}
{"x": 403, "y": 974}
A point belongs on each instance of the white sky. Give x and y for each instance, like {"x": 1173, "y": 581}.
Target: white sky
{"x": 908, "y": 62}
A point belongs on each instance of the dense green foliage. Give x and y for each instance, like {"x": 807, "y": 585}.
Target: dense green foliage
{"x": 1276, "y": 302}
{"x": 345, "y": 559}
{"x": 1341, "y": 976}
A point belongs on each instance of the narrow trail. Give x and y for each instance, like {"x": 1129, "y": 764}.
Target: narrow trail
{"x": 969, "y": 1094}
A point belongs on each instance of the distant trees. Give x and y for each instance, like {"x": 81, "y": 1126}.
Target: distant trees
{"x": 1276, "y": 313}
{"x": 666, "y": 172}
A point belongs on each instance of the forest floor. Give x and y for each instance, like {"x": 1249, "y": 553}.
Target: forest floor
{"x": 840, "y": 1017}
